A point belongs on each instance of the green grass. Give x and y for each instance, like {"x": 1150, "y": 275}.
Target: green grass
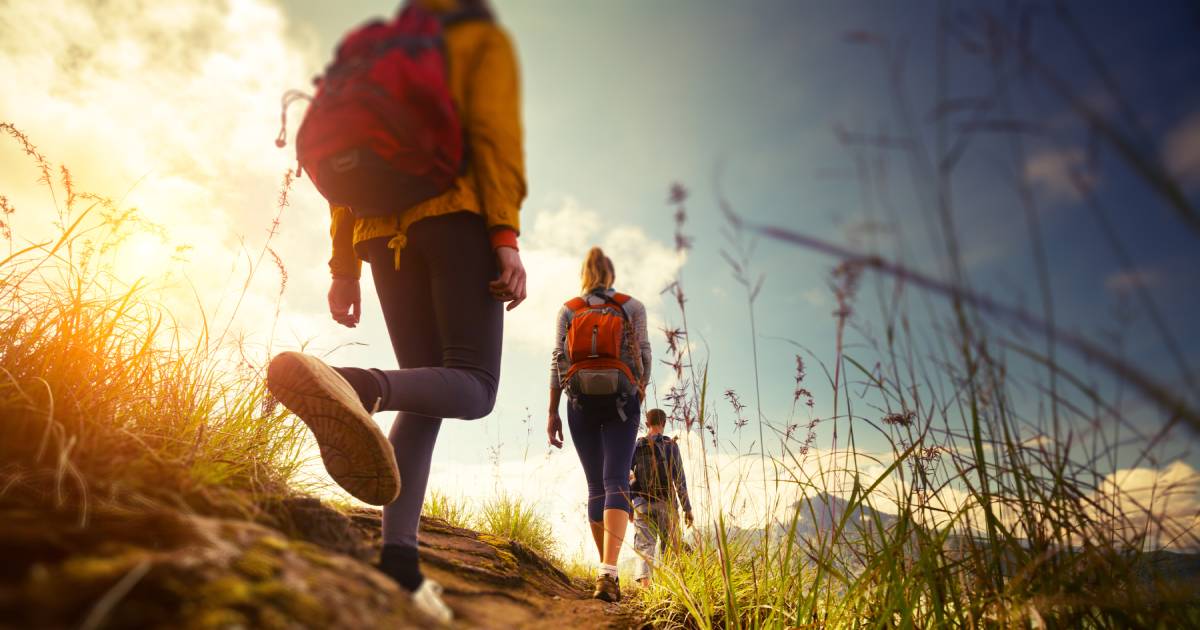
{"x": 997, "y": 444}
{"x": 510, "y": 516}
{"x": 455, "y": 511}
{"x": 103, "y": 402}
{"x": 505, "y": 515}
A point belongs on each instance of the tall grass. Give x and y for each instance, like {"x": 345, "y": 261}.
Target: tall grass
{"x": 455, "y": 511}
{"x": 104, "y": 402}
{"x": 513, "y": 518}
{"x": 992, "y": 504}
{"x": 504, "y": 514}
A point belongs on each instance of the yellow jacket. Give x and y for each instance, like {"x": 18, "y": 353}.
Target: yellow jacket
{"x": 485, "y": 87}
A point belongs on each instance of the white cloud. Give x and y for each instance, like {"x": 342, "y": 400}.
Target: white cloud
{"x": 1162, "y": 504}
{"x": 1052, "y": 172}
{"x": 553, "y": 245}
{"x": 176, "y": 102}
{"x": 816, "y": 296}
{"x": 1181, "y": 150}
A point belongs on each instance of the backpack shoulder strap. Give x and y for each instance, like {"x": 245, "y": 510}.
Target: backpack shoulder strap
{"x": 575, "y": 303}
{"x": 620, "y": 300}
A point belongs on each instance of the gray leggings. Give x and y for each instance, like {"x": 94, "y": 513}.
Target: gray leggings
{"x": 446, "y": 331}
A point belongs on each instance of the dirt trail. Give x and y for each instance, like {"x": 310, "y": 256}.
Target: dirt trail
{"x": 174, "y": 570}
{"x": 495, "y": 583}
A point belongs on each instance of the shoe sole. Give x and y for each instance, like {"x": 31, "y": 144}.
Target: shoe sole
{"x": 355, "y": 452}
{"x": 606, "y": 596}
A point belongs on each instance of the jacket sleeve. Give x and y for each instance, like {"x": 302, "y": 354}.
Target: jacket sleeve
{"x": 344, "y": 263}
{"x": 679, "y": 478}
{"x": 493, "y": 129}
{"x": 558, "y": 357}
{"x": 643, "y": 340}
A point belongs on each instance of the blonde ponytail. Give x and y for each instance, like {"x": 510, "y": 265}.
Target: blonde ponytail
{"x": 598, "y": 272}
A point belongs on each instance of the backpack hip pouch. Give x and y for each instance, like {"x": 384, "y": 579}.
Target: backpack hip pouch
{"x": 599, "y": 382}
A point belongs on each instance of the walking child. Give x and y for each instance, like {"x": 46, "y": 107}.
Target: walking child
{"x": 659, "y": 483}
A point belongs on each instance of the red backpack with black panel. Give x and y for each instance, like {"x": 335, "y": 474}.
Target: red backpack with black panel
{"x": 381, "y": 133}
{"x": 595, "y": 338}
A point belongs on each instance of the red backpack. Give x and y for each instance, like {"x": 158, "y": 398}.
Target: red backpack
{"x": 381, "y": 134}
{"x": 595, "y": 337}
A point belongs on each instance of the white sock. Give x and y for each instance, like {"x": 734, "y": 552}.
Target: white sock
{"x": 608, "y": 569}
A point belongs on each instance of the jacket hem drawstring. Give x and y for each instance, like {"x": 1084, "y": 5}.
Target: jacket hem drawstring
{"x": 397, "y": 244}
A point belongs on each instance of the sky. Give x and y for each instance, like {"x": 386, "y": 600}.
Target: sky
{"x": 173, "y": 107}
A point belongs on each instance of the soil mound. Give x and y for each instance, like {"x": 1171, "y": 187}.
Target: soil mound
{"x": 122, "y": 569}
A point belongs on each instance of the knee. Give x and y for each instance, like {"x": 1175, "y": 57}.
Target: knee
{"x": 485, "y": 400}
{"x": 616, "y": 495}
{"x": 616, "y": 485}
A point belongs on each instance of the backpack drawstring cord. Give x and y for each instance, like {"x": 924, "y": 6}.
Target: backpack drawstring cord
{"x": 289, "y": 97}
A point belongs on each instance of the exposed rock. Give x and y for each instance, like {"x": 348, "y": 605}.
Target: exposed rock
{"x": 166, "y": 569}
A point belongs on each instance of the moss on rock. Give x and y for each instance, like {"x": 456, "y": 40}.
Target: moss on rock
{"x": 259, "y": 562}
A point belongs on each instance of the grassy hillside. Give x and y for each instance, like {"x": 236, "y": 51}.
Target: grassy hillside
{"x": 146, "y": 474}
{"x": 147, "y": 479}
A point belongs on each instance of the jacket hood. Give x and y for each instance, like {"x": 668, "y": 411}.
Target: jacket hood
{"x": 454, "y": 6}
{"x": 438, "y": 6}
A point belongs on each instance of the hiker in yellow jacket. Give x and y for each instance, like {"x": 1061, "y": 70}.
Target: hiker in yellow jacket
{"x": 442, "y": 270}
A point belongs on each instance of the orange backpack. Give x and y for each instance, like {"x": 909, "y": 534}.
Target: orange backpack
{"x": 595, "y": 337}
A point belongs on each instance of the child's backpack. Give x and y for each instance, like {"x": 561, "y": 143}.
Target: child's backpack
{"x": 595, "y": 337}
{"x": 381, "y": 133}
{"x": 650, "y": 478}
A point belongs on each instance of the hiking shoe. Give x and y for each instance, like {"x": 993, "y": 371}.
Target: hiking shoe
{"x": 608, "y": 589}
{"x": 353, "y": 449}
{"x": 428, "y": 599}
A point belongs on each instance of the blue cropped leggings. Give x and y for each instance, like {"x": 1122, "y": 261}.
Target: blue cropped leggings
{"x": 605, "y": 446}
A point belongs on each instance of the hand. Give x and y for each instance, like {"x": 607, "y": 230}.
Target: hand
{"x": 554, "y": 430}
{"x": 689, "y": 519}
{"x": 510, "y": 286}
{"x": 345, "y": 301}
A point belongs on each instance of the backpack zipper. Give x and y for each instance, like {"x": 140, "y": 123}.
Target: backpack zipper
{"x": 595, "y": 334}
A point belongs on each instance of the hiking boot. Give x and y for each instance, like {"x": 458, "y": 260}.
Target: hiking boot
{"x": 428, "y": 599}
{"x": 608, "y": 589}
{"x": 353, "y": 449}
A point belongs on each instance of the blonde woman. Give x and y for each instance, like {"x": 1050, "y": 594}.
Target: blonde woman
{"x": 602, "y": 360}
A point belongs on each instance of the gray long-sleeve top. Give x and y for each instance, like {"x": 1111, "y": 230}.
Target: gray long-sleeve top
{"x": 634, "y": 310}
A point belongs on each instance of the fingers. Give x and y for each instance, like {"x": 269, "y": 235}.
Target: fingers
{"x": 502, "y": 287}
{"x": 510, "y": 286}
{"x": 345, "y": 302}
{"x": 340, "y": 313}
{"x": 518, "y": 293}
{"x": 345, "y": 314}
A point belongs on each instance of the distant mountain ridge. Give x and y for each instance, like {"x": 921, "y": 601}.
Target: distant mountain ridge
{"x": 821, "y": 513}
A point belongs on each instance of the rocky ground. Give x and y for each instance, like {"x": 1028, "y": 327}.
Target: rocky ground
{"x": 166, "y": 569}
